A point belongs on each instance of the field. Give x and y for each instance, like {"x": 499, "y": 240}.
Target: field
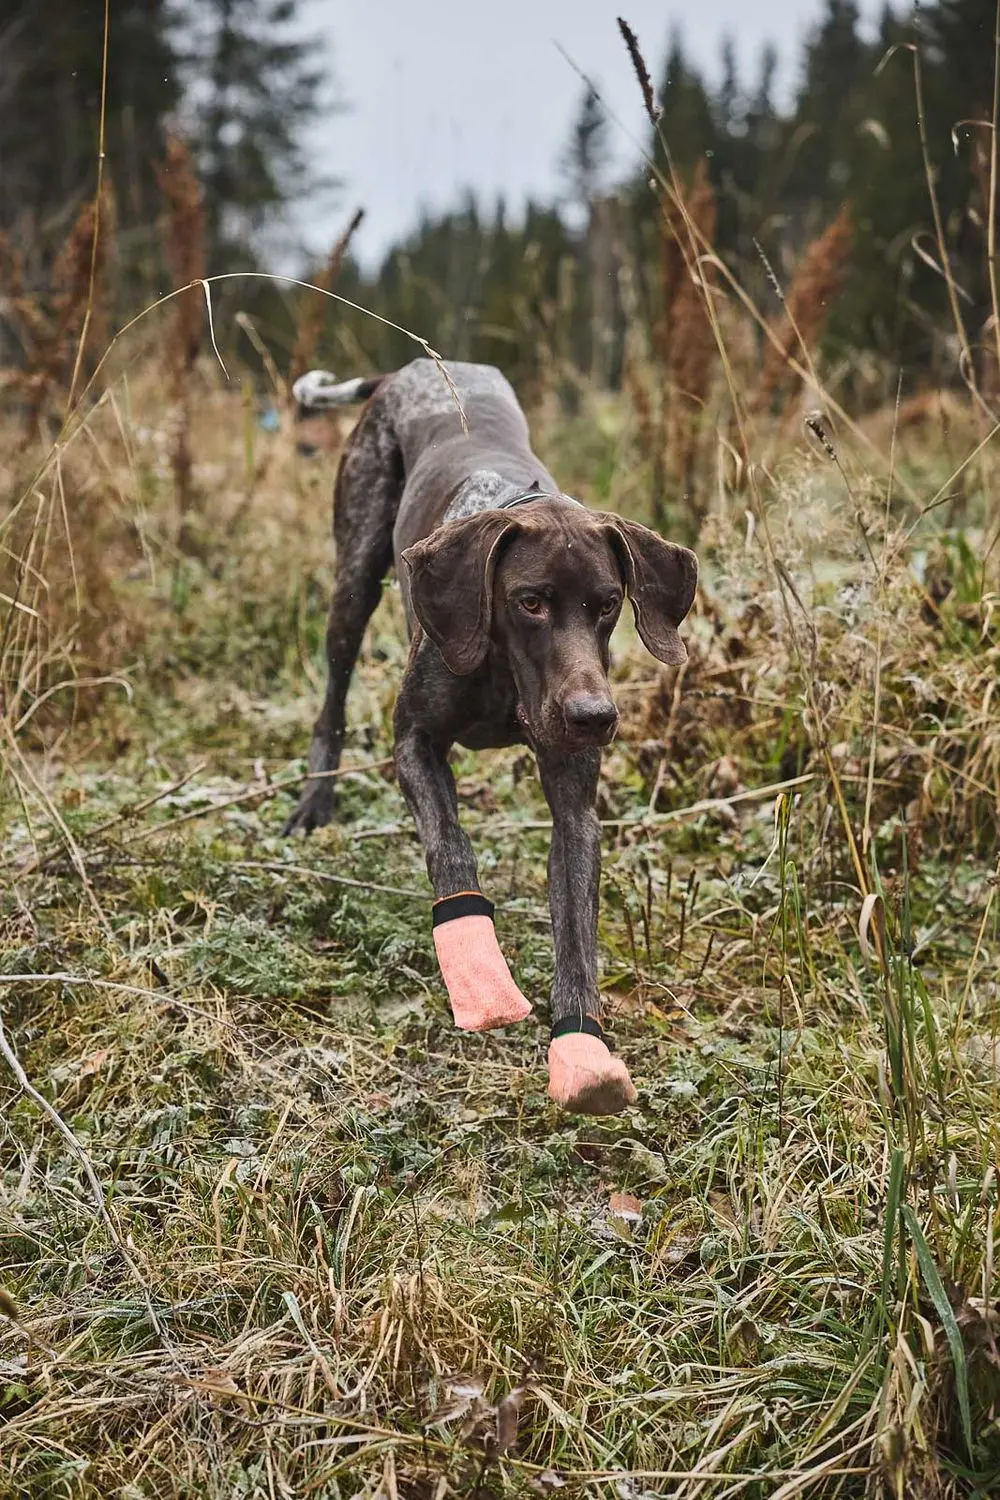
{"x": 270, "y": 1226}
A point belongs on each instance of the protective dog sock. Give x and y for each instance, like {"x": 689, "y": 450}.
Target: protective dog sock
{"x": 482, "y": 993}
{"x": 584, "y": 1076}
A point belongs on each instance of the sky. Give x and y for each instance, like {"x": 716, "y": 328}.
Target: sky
{"x": 444, "y": 95}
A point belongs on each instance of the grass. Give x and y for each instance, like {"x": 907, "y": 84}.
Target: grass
{"x": 342, "y": 1249}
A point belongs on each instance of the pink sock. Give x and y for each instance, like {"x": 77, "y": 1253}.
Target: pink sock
{"x": 585, "y": 1078}
{"x": 482, "y": 993}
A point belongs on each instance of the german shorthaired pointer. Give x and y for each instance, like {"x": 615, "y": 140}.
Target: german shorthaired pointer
{"x": 511, "y": 591}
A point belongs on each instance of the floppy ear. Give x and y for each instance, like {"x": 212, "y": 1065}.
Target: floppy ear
{"x": 660, "y": 579}
{"x": 451, "y": 586}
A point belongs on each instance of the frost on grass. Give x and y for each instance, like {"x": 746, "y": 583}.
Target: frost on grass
{"x": 378, "y": 1261}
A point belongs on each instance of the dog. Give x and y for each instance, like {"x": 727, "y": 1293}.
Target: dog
{"x": 511, "y": 591}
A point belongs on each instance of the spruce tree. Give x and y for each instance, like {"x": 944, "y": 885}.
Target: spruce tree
{"x": 687, "y": 123}
{"x": 825, "y": 118}
{"x": 50, "y": 109}
{"x": 586, "y": 157}
{"x": 253, "y": 88}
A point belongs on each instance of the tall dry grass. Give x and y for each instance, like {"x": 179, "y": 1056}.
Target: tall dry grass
{"x": 669, "y": 385}
{"x": 313, "y": 308}
{"x": 818, "y": 278}
{"x": 691, "y": 353}
{"x": 182, "y": 232}
{"x": 63, "y": 325}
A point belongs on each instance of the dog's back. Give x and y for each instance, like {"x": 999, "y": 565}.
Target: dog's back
{"x": 464, "y": 443}
{"x": 460, "y": 437}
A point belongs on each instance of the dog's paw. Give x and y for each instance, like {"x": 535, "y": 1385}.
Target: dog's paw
{"x": 585, "y": 1078}
{"x": 315, "y": 810}
{"x": 480, "y": 986}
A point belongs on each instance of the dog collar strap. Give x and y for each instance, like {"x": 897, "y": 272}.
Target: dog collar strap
{"x": 576, "y": 1024}
{"x": 463, "y": 904}
{"x": 536, "y": 495}
{"x": 523, "y": 499}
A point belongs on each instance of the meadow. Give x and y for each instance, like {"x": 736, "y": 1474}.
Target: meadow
{"x": 269, "y": 1225}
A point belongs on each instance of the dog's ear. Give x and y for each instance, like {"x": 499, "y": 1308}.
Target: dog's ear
{"x": 451, "y": 576}
{"x": 660, "y": 579}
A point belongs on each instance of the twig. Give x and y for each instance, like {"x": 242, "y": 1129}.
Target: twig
{"x": 359, "y": 885}
{"x": 263, "y": 791}
{"x": 134, "y": 808}
{"x": 268, "y": 790}
{"x": 131, "y": 811}
{"x": 644, "y": 820}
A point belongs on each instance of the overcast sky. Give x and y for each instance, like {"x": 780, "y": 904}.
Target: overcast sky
{"x": 448, "y": 94}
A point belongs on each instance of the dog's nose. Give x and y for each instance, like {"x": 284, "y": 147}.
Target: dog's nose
{"x": 590, "y": 713}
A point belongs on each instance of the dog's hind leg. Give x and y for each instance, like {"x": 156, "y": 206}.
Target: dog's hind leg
{"x": 366, "y": 498}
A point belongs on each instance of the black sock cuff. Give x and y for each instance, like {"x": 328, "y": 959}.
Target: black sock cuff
{"x": 464, "y": 904}
{"x": 574, "y": 1025}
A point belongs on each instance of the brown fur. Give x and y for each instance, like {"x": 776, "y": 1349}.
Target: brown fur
{"x": 511, "y": 596}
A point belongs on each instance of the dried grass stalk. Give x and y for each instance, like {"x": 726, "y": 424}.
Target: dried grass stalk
{"x": 692, "y": 346}
{"x": 817, "y": 281}
{"x": 50, "y": 329}
{"x": 641, "y": 71}
{"x": 182, "y": 230}
{"x": 18, "y": 307}
{"x": 988, "y": 341}
{"x": 649, "y": 424}
{"x": 683, "y": 340}
{"x": 71, "y": 285}
{"x": 314, "y": 306}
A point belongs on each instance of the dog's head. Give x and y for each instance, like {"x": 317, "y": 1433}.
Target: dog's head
{"x": 542, "y": 586}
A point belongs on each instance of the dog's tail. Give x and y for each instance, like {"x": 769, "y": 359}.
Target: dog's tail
{"x": 318, "y": 390}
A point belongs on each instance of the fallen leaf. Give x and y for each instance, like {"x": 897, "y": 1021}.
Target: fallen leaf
{"x": 218, "y": 1385}
{"x": 94, "y": 1063}
{"x": 625, "y": 1206}
{"x": 508, "y": 1411}
{"x": 872, "y": 919}
{"x": 723, "y": 1205}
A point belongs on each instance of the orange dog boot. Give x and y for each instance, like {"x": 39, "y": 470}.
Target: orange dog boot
{"x": 482, "y": 992}
{"x": 584, "y": 1075}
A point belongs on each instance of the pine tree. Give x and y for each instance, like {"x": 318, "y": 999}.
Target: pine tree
{"x": 825, "y": 117}
{"x": 586, "y": 157}
{"x": 253, "y": 88}
{"x": 957, "y": 40}
{"x": 594, "y": 310}
{"x": 50, "y": 108}
{"x": 728, "y": 99}
{"x": 687, "y": 123}
{"x": 961, "y": 32}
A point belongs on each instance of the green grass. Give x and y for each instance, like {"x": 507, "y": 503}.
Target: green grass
{"x": 342, "y": 1232}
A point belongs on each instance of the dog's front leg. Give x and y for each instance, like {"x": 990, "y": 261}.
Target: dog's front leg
{"x": 583, "y": 1075}
{"x": 482, "y": 992}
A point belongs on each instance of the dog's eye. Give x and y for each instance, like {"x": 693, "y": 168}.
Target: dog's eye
{"x": 609, "y": 606}
{"x": 531, "y": 604}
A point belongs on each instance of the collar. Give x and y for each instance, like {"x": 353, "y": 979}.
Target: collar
{"x": 534, "y": 495}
